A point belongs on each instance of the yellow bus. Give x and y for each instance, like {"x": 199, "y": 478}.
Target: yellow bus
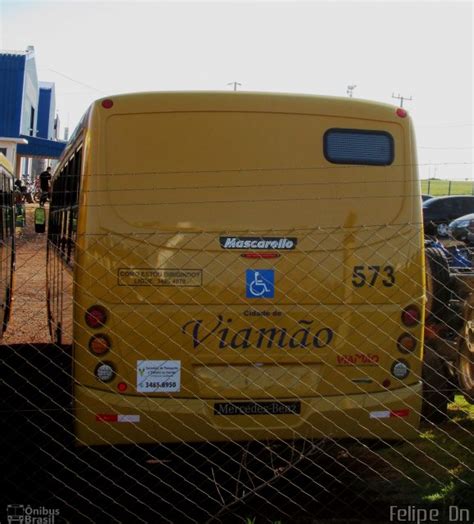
{"x": 7, "y": 240}
{"x": 237, "y": 267}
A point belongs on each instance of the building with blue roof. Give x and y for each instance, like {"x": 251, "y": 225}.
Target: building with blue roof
{"x": 28, "y": 127}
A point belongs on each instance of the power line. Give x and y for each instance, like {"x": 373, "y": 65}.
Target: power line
{"x": 448, "y": 148}
{"x": 446, "y": 124}
{"x": 76, "y": 81}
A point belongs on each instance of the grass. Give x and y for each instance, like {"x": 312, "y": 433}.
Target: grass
{"x": 437, "y": 187}
{"x": 435, "y": 471}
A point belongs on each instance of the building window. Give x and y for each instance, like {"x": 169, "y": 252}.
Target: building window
{"x": 359, "y": 146}
{"x": 32, "y": 122}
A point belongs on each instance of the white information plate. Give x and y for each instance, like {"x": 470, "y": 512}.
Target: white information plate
{"x": 158, "y": 376}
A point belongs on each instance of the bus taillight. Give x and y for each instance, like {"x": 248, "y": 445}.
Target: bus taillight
{"x": 400, "y": 369}
{"x": 411, "y": 316}
{"x": 105, "y": 372}
{"x": 96, "y": 317}
{"x": 99, "y": 344}
{"x": 406, "y": 343}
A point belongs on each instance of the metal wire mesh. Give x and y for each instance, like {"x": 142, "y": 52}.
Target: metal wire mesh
{"x": 303, "y": 432}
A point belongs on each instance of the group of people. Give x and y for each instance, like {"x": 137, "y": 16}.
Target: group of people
{"x": 23, "y": 192}
{"x": 44, "y": 188}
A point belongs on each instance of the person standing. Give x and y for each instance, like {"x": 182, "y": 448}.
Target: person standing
{"x": 45, "y": 178}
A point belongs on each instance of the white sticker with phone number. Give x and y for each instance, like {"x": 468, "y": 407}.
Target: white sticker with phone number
{"x": 158, "y": 376}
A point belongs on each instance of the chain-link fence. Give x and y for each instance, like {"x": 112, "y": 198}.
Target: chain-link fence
{"x": 439, "y": 187}
{"x": 262, "y": 396}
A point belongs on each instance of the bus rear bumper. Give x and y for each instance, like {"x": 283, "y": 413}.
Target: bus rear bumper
{"x": 104, "y": 418}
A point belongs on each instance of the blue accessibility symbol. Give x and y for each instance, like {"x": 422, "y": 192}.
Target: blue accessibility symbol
{"x": 260, "y": 283}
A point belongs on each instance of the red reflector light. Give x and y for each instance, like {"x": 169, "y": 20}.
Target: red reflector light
{"x": 400, "y": 413}
{"x": 121, "y": 386}
{"x": 106, "y": 417}
{"x": 107, "y": 104}
{"x": 402, "y": 113}
{"x": 411, "y": 316}
{"x": 260, "y": 255}
{"x": 96, "y": 317}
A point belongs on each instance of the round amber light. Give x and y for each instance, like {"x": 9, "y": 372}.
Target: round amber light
{"x": 406, "y": 343}
{"x": 99, "y": 344}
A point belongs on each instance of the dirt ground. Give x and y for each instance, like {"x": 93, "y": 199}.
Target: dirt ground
{"x": 28, "y": 322}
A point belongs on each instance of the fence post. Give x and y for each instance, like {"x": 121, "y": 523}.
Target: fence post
{"x": 449, "y": 187}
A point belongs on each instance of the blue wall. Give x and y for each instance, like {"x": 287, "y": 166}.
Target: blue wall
{"x": 30, "y": 97}
{"x": 44, "y": 106}
{"x": 12, "y": 71}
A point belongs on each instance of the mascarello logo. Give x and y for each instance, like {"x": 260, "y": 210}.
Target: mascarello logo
{"x": 258, "y": 243}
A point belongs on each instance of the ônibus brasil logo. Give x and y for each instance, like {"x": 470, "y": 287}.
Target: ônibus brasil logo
{"x": 280, "y": 243}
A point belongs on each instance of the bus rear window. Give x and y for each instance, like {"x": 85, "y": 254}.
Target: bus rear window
{"x": 354, "y": 146}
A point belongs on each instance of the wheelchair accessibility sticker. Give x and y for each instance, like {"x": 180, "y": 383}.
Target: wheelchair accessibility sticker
{"x": 260, "y": 283}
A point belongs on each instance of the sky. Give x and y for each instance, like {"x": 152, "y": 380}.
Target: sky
{"x": 419, "y": 50}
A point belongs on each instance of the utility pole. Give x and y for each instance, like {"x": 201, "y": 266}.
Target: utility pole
{"x": 350, "y": 90}
{"x": 235, "y": 84}
{"x": 401, "y": 98}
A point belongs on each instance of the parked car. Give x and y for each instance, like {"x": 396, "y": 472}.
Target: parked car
{"x": 463, "y": 228}
{"x": 438, "y": 212}
{"x": 424, "y": 197}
